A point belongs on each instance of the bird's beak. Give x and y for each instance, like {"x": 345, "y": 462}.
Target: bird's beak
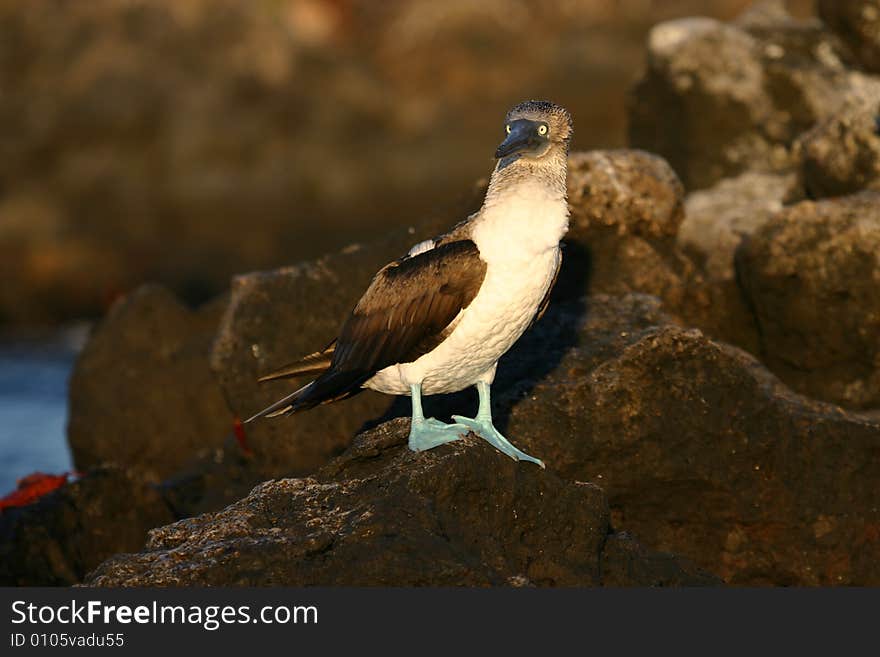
{"x": 521, "y": 138}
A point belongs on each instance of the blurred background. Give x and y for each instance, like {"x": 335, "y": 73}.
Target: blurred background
{"x": 184, "y": 141}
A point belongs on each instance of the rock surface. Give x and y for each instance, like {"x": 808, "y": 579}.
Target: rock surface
{"x": 141, "y": 393}
{"x": 700, "y": 99}
{"x": 67, "y": 533}
{"x": 812, "y": 276}
{"x": 701, "y": 453}
{"x": 671, "y": 420}
{"x": 841, "y": 155}
{"x": 691, "y": 447}
{"x": 185, "y": 142}
{"x": 718, "y": 218}
{"x": 858, "y": 23}
{"x": 381, "y": 515}
{"x": 626, "y": 209}
{"x": 718, "y": 99}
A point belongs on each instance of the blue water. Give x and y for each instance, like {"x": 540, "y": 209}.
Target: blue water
{"x": 33, "y": 405}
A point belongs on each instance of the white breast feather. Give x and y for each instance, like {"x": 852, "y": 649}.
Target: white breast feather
{"x": 518, "y": 237}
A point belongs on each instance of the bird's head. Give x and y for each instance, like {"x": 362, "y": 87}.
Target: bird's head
{"x": 534, "y": 129}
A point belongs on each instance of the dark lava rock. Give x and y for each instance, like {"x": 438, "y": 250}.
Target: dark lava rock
{"x": 625, "y": 562}
{"x": 812, "y": 276}
{"x": 142, "y": 394}
{"x": 704, "y": 454}
{"x": 701, "y": 452}
{"x": 381, "y": 515}
{"x": 841, "y": 155}
{"x": 65, "y": 534}
{"x": 630, "y": 232}
{"x": 717, "y": 99}
{"x": 716, "y": 221}
{"x": 718, "y": 218}
{"x": 626, "y": 207}
{"x": 700, "y": 99}
{"x": 858, "y": 23}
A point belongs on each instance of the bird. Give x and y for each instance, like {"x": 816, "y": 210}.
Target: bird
{"x": 438, "y": 319}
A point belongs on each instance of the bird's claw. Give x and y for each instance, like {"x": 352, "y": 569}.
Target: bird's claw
{"x": 429, "y": 433}
{"x": 487, "y": 431}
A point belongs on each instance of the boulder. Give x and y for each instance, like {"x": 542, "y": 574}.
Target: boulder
{"x": 812, "y": 277}
{"x": 56, "y": 540}
{"x": 381, "y": 515}
{"x": 841, "y": 155}
{"x": 633, "y": 230}
{"x": 703, "y": 453}
{"x": 700, "y": 99}
{"x": 142, "y": 394}
{"x": 857, "y": 22}
{"x": 626, "y": 210}
{"x": 718, "y": 218}
{"x": 717, "y": 99}
{"x": 716, "y": 221}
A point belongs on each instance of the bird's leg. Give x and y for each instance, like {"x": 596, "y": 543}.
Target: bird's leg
{"x": 483, "y": 427}
{"x": 426, "y": 433}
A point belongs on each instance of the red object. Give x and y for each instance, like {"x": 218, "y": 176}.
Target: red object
{"x": 33, "y": 487}
{"x": 241, "y": 437}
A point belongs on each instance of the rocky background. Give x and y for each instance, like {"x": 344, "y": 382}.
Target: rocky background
{"x": 185, "y": 141}
{"x": 705, "y": 388}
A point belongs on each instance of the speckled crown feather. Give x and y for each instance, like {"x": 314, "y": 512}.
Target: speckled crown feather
{"x": 544, "y": 110}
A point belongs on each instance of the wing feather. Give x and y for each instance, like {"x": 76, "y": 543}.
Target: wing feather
{"x": 407, "y": 310}
{"x": 410, "y": 302}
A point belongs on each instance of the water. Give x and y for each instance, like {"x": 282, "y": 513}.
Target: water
{"x": 33, "y": 404}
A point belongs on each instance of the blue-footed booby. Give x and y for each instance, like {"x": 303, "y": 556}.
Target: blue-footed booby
{"x": 438, "y": 319}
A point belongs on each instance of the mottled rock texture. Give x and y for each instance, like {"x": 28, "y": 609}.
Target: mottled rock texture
{"x": 186, "y": 142}
{"x": 626, "y": 209}
{"x": 674, "y": 420}
{"x": 700, "y": 451}
{"x": 841, "y": 155}
{"x": 858, "y": 23}
{"x": 812, "y": 277}
{"x": 717, "y": 99}
{"x": 381, "y": 515}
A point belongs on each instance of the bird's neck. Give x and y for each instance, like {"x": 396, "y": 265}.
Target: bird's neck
{"x": 548, "y": 173}
{"x": 525, "y": 212}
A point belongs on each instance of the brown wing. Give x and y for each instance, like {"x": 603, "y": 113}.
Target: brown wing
{"x": 410, "y": 303}
{"x": 408, "y": 307}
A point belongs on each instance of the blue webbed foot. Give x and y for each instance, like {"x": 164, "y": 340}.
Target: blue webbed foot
{"x": 429, "y": 433}
{"x": 484, "y": 428}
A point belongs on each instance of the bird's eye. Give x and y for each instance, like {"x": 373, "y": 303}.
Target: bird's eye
{"x": 542, "y": 130}
{"x": 507, "y": 127}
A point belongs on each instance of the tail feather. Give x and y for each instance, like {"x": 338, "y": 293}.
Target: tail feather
{"x": 316, "y": 363}
{"x": 329, "y": 387}
{"x": 285, "y": 405}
